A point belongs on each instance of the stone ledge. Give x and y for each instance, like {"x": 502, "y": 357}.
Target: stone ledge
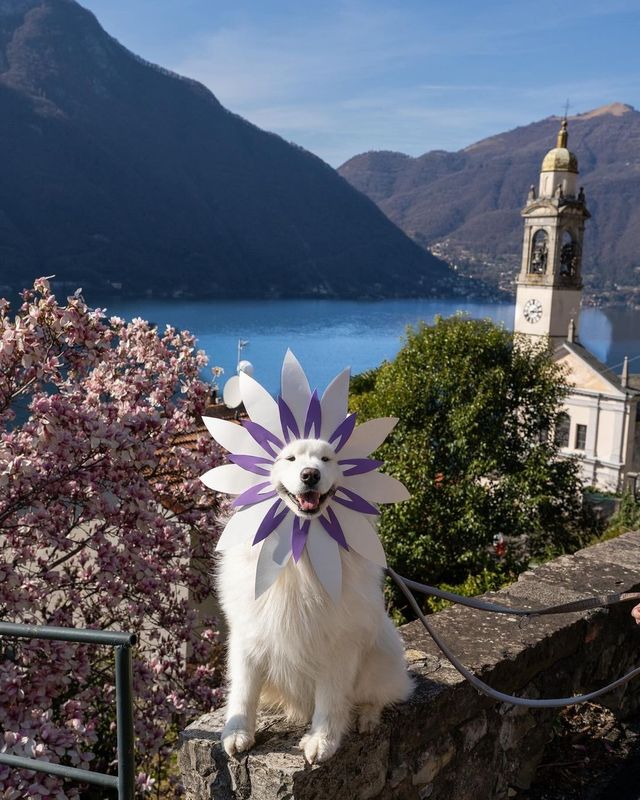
{"x": 448, "y": 741}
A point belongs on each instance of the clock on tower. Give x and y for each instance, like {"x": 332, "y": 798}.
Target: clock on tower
{"x": 533, "y": 310}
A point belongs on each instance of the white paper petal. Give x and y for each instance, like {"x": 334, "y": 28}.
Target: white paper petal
{"x": 231, "y": 479}
{"x": 361, "y": 533}
{"x": 376, "y": 487}
{"x": 274, "y": 554}
{"x": 233, "y": 437}
{"x": 368, "y": 437}
{"x": 243, "y": 525}
{"x": 260, "y": 406}
{"x": 334, "y": 403}
{"x": 324, "y": 553}
{"x": 296, "y": 391}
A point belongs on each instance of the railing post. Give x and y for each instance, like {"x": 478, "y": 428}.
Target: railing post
{"x": 124, "y": 711}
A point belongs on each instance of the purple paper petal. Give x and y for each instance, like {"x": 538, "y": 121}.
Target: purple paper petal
{"x": 270, "y": 522}
{"x": 263, "y": 437}
{"x": 353, "y": 501}
{"x": 253, "y": 463}
{"x": 288, "y": 421}
{"x": 343, "y": 432}
{"x": 360, "y": 466}
{"x": 256, "y": 494}
{"x": 314, "y": 417}
{"x": 333, "y": 528}
{"x": 299, "y": 537}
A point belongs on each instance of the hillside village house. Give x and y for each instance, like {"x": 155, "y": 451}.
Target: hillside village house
{"x": 600, "y": 422}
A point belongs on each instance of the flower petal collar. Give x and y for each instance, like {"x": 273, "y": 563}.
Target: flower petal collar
{"x": 261, "y": 518}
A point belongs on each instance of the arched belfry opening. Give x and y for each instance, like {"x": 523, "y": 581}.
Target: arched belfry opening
{"x": 569, "y": 255}
{"x": 539, "y": 252}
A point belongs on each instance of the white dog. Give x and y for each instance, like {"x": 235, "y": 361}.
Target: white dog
{"x": 294, "y": 647}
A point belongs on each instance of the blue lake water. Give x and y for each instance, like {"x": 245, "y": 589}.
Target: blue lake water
{"x": 327, "y": 335}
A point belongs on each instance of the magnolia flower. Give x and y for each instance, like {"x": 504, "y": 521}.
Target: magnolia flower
{"x": 349, "y": 517}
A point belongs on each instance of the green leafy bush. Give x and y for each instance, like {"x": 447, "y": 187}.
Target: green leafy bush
{"x": 473, "y": 446}
{"x": 627, "y": 517}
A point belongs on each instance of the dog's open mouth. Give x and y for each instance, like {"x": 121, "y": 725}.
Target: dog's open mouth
{"x": 310, "y": 502}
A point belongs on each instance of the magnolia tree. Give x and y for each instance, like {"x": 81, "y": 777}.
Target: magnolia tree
{"x": 102, "y": 518}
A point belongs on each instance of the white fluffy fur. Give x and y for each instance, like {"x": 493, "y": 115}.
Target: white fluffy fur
{"x": 296, "y": 649}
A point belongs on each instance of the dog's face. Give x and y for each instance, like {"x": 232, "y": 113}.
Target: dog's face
{"x": 305, "y": 475}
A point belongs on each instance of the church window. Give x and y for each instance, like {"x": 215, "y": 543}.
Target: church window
{"x": 538, "y": 262}
{"x": 581, "y": 437}
{"x": 563, "y": 426}
{"x": 568, "y": 255}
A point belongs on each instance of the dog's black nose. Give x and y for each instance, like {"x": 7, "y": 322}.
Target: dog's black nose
{"x": 310, "y": 476}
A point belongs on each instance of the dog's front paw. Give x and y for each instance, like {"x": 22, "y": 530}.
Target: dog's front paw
{"x": 318, "y": 747}
{"x": 368, "y": 718}
{"x": 235, "y": 739}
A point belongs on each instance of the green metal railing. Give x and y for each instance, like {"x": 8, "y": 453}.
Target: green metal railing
{"x": 123, "y": 782}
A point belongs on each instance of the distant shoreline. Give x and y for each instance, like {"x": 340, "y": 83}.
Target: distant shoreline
{"x": 596, "y": 298}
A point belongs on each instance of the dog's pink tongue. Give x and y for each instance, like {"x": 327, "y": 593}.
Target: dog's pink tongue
{"x": 308, "y": 501}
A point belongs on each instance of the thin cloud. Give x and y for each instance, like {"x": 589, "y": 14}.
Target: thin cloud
{"x": 246, "y": 64}
{"x": 340, "y": 79}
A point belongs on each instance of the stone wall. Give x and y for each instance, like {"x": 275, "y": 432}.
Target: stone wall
{"x": 448, "y": 742}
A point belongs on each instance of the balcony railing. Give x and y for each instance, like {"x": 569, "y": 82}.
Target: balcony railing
{"x": 123, "y": 782}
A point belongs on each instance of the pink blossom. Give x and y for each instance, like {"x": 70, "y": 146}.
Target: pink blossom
{"x": 101, "y": 513}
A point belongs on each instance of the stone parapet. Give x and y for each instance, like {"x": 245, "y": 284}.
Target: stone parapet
{"x": 448, "y": 741}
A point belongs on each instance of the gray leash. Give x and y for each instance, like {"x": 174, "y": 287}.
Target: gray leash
{"x": 597, "y": 601}
{"x": 564, "y": 608}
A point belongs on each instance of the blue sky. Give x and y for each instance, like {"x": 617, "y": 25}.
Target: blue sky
{"x": 341, "y": 77}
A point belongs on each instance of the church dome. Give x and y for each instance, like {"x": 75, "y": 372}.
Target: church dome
{"x": 560, "y": 158}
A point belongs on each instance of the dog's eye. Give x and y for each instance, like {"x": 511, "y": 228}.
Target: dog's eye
{"x": 326, "y": 458}
{"x": 290, "y": 458}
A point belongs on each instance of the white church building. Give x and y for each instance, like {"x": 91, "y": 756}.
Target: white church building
{"x": 600, "y": 422}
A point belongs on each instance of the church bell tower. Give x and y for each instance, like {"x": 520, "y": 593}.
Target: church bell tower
{"x": 549, "y": 285}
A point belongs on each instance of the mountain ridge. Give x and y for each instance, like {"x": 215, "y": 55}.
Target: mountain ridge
{"x": 466, "y": 205}
{"x": 122, "y": 175}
